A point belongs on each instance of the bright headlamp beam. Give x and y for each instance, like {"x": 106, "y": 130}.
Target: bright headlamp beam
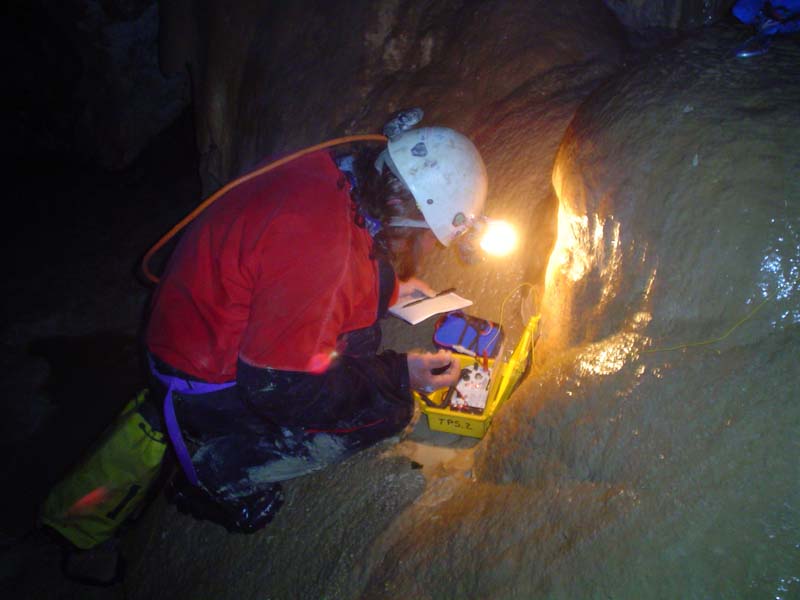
{"x": 499, "y": 239}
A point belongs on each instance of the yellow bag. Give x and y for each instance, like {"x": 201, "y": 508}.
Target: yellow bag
{"x": 90, "y": 504}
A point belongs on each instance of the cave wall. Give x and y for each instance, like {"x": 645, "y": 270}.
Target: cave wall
{"x": 118, "y": 71}
{"x": 668, "y": 350}
{"x": 712, "y": 183}
{"x": 643, "y": 15}
{"x": 86, "y": 86}
{"x": 250, "y": 62}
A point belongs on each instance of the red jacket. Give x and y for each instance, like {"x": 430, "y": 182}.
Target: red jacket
{"x": 272, "y": 273}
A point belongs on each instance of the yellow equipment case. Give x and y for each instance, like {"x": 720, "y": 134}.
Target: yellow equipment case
{"x": 504, "y": 379}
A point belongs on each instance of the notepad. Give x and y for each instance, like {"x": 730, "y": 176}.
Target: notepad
{"x": 414, "y": 310}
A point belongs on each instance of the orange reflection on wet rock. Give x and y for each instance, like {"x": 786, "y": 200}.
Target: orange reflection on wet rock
{"x": 587, "y": 242}
{"x": 610, "y": 355}
{"x": 571, "y": 254}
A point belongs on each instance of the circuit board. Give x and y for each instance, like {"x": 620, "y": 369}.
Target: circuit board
{"x": 471, "y": 391}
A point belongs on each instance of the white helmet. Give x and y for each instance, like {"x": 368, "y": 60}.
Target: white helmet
{"x": 446, "y": 175}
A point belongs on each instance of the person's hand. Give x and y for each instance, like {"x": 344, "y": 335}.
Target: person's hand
{"x": 422, "y": 364}
{"x": 414, "y": 287}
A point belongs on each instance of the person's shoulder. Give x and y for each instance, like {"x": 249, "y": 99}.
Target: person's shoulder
{"x": 301, "y": 178}
{"x": 317, "y": 163}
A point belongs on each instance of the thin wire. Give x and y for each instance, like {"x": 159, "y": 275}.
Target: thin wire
{"x": 707, "y": 342}
{"x": 733, "y": 328}
{"x": 503, "y": 308}
{"x": 715, "y": 340}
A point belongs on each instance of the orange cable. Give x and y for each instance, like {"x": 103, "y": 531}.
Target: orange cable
{"x": 215, "y": 196}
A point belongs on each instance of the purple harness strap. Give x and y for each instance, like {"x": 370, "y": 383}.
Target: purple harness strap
{"x": 184, "y": 386}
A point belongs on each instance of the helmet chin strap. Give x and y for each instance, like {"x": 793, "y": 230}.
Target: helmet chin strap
{"x": 401, "y": 222}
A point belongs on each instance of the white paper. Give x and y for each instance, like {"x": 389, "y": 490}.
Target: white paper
{"x": 427, "y": 307}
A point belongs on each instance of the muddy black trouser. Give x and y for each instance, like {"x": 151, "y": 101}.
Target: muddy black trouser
{"x": 276, "y": 425}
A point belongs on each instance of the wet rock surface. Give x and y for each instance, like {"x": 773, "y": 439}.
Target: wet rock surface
{"x": 622, "y": 467}
{"x": 318, "y": 546}
{"x": 668, "y": 347}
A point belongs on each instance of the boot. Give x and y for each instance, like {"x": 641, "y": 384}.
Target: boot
{"x": 243, "y": 515}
